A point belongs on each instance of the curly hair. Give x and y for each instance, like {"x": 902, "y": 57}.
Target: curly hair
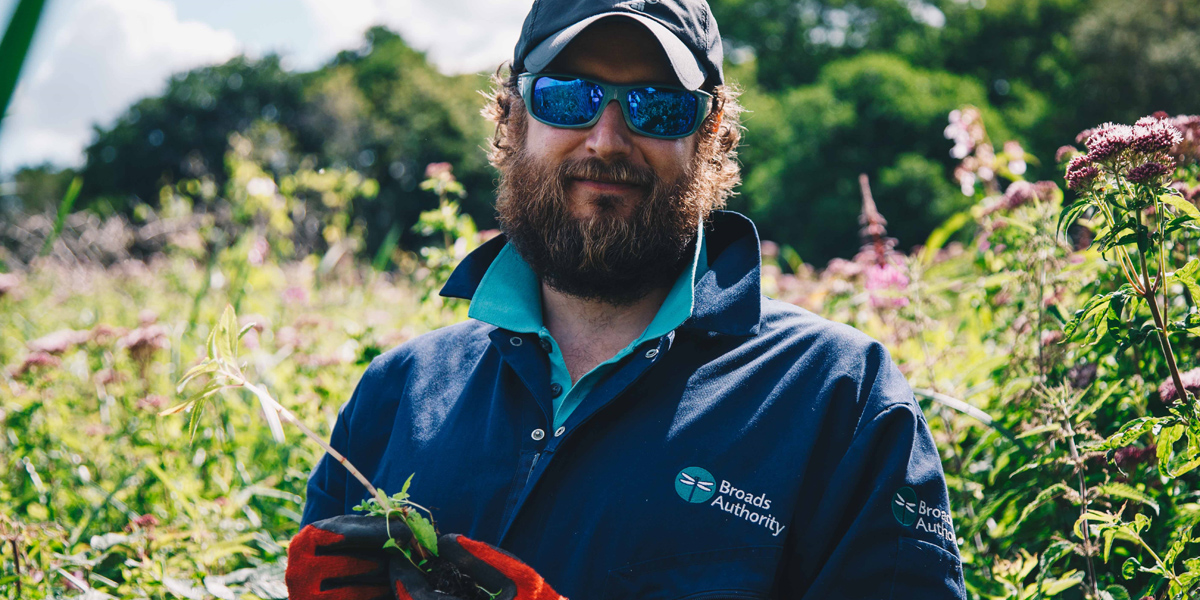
{"x": 719, "y": 134}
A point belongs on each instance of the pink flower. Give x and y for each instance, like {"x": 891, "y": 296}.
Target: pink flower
{"x": 58, "y": 342}
{"x": 1051, "y": 337}
{"x": 882, "y": 284}
{"x": 144, "y": 341}
{"x": 1080, "y": 172}
{"x": 1065, "y": 152}
{"x": 1109, "y": 140}
{"x": 1191, "y": 383}
{"x": 1155, "y": 135}
{"x": 438, "y": 170}
{"x": 295, "y": 294}
{"x": 153, "y": 402}
{"x": 1132, "y": 456}
{"x": 258, "y": 252}
{"x": 8, "y": 283}
{"x": 37, "y": 359}
{"x": 1151, "y": 172}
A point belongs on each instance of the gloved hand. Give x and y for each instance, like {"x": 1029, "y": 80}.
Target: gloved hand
{"x": 494, "y": 569}
{"x": 342, "y": 558}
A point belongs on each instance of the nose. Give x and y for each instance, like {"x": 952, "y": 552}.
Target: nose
{"x": 610, "y": 138}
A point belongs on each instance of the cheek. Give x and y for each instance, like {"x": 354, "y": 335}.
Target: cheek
{"x": 670, "y": 158}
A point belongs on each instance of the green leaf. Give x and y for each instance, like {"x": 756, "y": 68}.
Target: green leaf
{"x": 422, "y": 530}
{"x": 1054, "y": 587}
{"x": 938, "y": 238}
{"x": 1188, "y": 277}
{"x": 1167, "y": 437}
{"x": 1130, "y": 568}
{"x": 1042, "y": 497}
{"x": 194, "y": 421}
{"x": 1116, "y": 592}
{"x": 1127, "y": 434}
{"x": 391, "y": 543}
{"x": 245, "y": 329}
{"x": 208, "y": 366}
{"x": 227, "y": 334}
{"x": 408, "y": 481}
{"x": 1040, "y": 430}
{"x": 1183, "y": 206}
{"x": 1123, "y": 490}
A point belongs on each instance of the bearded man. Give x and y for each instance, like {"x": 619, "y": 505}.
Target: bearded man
{"x": 624, "y": 411}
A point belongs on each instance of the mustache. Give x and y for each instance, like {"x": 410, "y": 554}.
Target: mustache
{"x": 619, "y": 171}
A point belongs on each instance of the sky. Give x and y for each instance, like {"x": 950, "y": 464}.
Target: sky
{"x": 91, "y": 59}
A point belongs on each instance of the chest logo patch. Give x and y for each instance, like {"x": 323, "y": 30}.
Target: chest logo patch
{"x": 695, "y": 484}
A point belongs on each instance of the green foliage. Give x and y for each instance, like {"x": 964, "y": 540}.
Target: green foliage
{"x": 870, "y": 114}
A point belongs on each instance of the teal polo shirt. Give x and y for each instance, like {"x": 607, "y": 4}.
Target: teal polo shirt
{"x": 510, "y": 297}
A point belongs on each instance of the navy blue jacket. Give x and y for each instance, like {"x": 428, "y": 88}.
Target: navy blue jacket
{"x": 757, "y": 451}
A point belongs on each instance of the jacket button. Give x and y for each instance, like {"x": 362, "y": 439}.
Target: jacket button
{"x": 516, "y": 341}
{"x": 559, "y": 431}
{"x": 537, "y": 435}
{"x": 651, "y": 353}
{"x": 546, "y": 346}
{"x": 555, "y": 390}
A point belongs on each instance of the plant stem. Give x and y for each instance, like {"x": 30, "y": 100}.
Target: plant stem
{"x": 287, "y": 415}
{"x": 17, "y": 564}
{"x": 1160, "y": 323}
{"x": 1087, "y": 536}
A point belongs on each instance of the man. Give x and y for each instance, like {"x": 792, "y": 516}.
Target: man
{"x": 624, "y": 411}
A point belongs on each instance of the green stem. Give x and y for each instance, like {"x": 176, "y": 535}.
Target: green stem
{"x": 1160, "y": 323}
{"x": 287, "y": 415}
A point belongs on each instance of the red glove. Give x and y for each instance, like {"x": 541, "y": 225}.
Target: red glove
{"x": 494, "y": 569}
{"x": 342, "y": 558}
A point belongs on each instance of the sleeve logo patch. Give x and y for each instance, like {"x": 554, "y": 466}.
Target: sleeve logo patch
{"x": 910, "y": 511}
{"x": 904, "y": 506}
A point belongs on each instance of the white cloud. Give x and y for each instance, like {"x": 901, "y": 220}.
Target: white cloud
{"x": 459, "y": 36}
{"x": 93, "y": 59}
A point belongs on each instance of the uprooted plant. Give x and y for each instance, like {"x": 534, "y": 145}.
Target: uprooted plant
{"x": 226, "y": 373}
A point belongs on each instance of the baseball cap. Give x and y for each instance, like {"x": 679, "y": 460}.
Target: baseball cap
{"x": 686, "y": 29}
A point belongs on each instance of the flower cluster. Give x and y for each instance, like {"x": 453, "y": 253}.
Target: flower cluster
{"x": 1019, "y": 193}
{"x": 1191, "y": 382}
{"x": 1143, "y": 153}
{"x": 980, "y": 162}
{"x": 1132, "y": 456}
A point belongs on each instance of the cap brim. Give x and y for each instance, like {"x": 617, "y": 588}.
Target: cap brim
{"x": 689, "y": 71}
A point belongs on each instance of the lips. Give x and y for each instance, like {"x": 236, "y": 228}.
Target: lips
{"x": 607, "y": 185}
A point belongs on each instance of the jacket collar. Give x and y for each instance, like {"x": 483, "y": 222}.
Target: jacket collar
{"x": 727, "y": 296}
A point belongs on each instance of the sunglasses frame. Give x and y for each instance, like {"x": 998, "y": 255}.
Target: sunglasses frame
{"x": 618, "y": 92}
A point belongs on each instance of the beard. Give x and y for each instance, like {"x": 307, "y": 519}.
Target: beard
{"x": 606, "y": 256}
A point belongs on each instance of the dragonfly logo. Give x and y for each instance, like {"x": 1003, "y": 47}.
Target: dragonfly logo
{"x": 904, "y": 506}
{"x": 695, "y": 485}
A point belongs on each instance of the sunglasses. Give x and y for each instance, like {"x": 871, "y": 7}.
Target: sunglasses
{"x": 573, "y": 102}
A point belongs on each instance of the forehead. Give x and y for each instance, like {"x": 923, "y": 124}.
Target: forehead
{"x": 616, "y": 50}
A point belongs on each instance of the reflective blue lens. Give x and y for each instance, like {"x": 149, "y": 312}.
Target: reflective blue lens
{"x": 565, "y": 102}
{"x": 662, "y": 112}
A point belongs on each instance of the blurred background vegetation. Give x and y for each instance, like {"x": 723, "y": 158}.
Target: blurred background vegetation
{"x": 835, "y": 88}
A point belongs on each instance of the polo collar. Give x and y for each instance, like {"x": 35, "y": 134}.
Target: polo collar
{"x": 725, "y": 298}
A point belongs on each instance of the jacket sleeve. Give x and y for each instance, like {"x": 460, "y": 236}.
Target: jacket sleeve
{"x": 326, "y": 490}
{"x": 882, "y": 526}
